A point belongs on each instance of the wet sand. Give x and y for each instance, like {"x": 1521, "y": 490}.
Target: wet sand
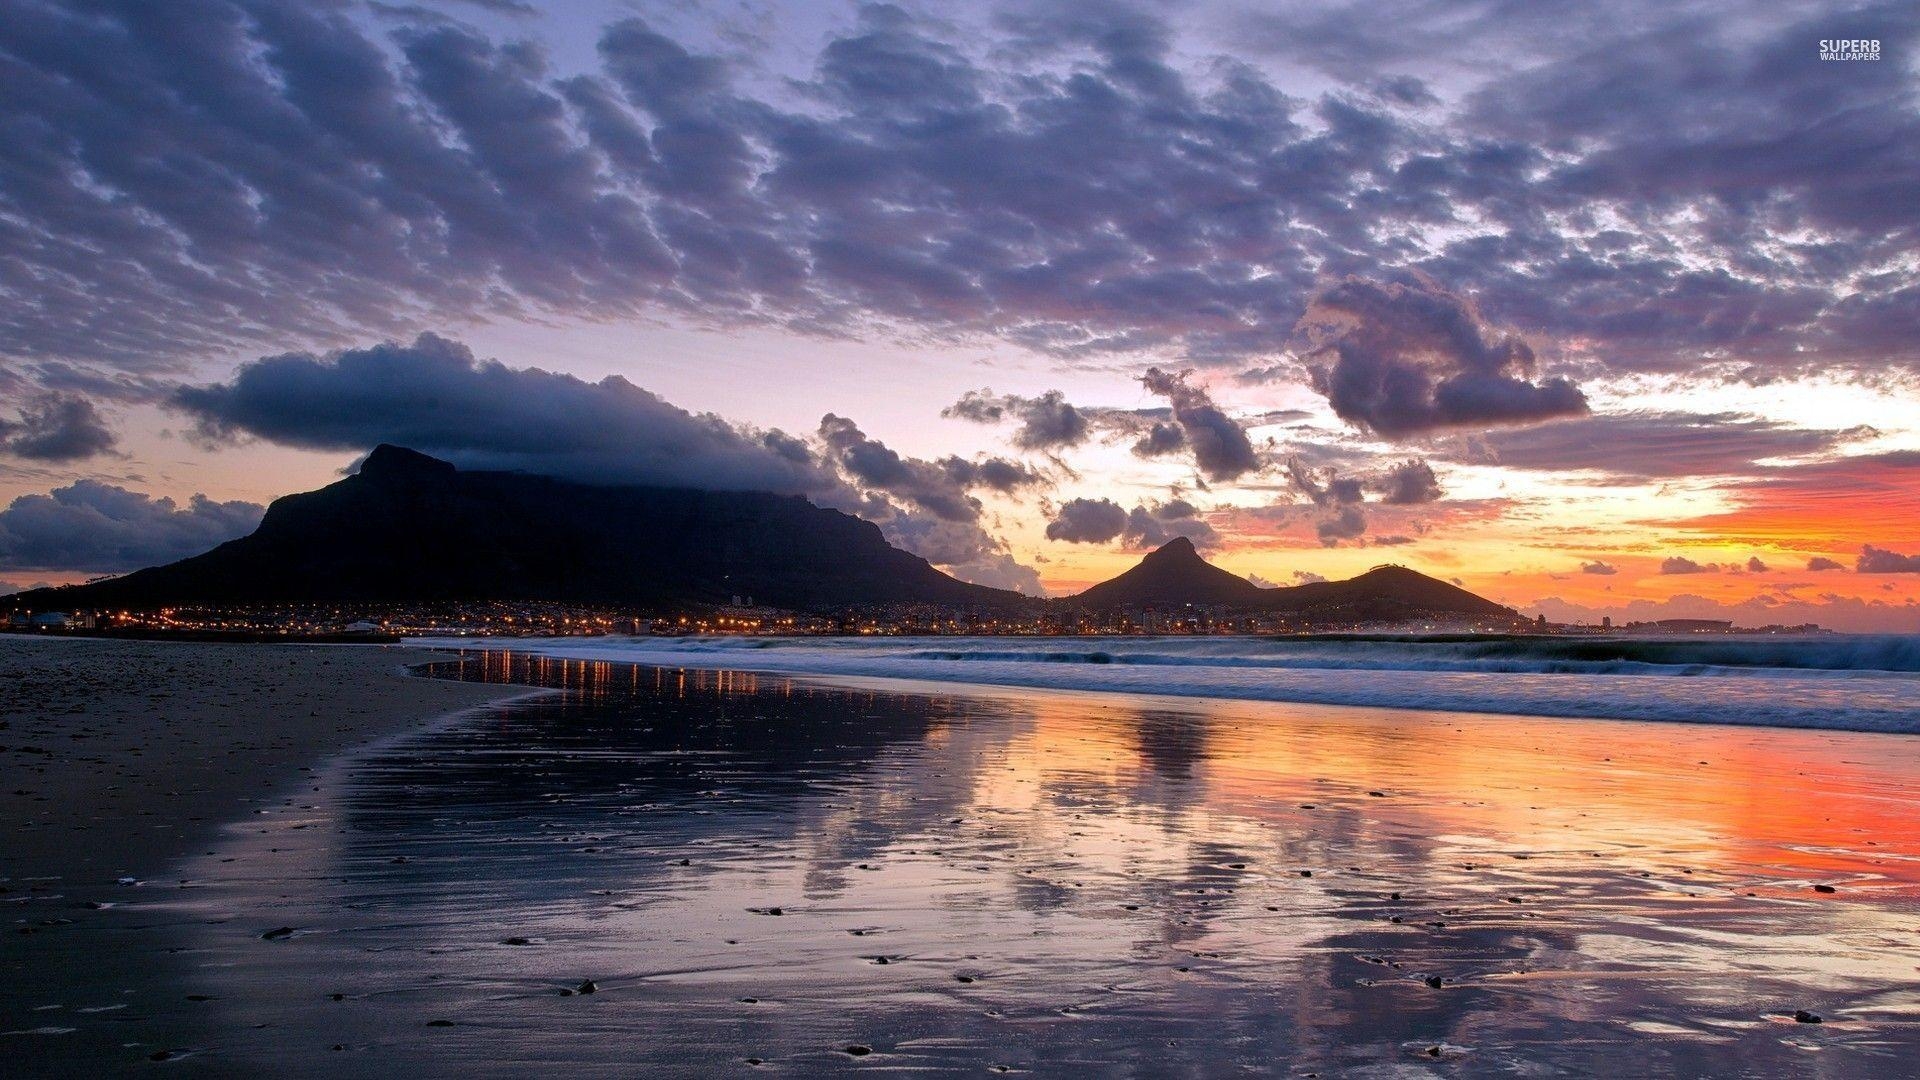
{"x": 808, "y": 876}
{"x": 121, "y": 759}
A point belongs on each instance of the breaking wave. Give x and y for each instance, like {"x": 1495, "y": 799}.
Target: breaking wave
{"x": 1864, "y": 683}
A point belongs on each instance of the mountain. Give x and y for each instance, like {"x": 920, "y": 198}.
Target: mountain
{"x": 1384, "y": 594}
{"x": 1173, "y": 575}
{"x": 1176, "y": 575}
{"x": 409, "y": 528}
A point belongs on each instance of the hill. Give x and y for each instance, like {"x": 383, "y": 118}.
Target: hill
{"x": 1176, "y": 575}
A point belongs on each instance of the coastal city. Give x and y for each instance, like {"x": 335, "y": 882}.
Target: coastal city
{"x": 744, "y": 618}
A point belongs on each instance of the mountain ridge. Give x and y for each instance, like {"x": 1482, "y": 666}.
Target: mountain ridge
{"x": 408, "y": 527}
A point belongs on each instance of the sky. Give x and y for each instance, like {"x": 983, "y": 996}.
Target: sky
{"x": 1598, "y": 310}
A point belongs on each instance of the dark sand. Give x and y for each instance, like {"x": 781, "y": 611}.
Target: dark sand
{"x": 120, "y": 759}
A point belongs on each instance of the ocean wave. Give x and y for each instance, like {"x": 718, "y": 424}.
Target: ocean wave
{"x": 1852, "y": 683}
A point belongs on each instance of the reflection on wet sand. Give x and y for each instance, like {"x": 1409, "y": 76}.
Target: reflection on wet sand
{"x": 759, "y": 871}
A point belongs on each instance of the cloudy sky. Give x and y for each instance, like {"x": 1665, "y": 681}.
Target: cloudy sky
{"x": 1597, "y": 308}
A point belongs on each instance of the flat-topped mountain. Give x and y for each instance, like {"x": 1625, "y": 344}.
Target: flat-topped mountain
{"x": 411, "y": 528}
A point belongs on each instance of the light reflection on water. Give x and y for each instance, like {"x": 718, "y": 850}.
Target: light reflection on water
{"x": 1058, "y": 881}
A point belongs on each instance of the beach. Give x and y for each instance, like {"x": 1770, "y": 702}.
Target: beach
{"x": 711, "y": 871}
{"x": 122, "y": 759}
{"x": 715, "y": 871}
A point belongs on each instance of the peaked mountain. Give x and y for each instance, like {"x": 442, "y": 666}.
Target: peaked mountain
{"x": 409, "y": 528}
{"x": 1175, "y": 575}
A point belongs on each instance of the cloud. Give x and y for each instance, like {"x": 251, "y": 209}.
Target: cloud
{"x": 1680, "y": 564}
{"x": 1819, "y": 506}
{"x": 435, "y": 396}
{"x": 93, "y": 527}
{"x": 875, "y": 467}
{"x": 1875, "y": 560}
{"x": 1326, "y": 488}
{"x": 1146, "y": 526}
{"x": 1221, "y": 448}
{"x": 1401, "y": 360}
{"x": 1408, "y": 483}
{"x": 1306, "y": 577}
{"x": 1646, "y": 445}
{"x": 1391, "y": 541}
{"x": 1161, "y": 439}
{"x": 1598, "y": 567}
{"x": 1086, "y": 184}
{"x": 1047, "y": 422}
{"x": 56, "y": 426}
{"x": 1755, "y": 566}
{"x": 1339, "y": 498}
{"x": 1150, "y": 526}
{"x": 1821, "y": 562}
{"x": 1346, "y": 523}
{"x": 1087, "y": 521}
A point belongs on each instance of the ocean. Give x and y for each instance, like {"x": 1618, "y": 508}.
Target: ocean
{"x": 1838, "y": 682}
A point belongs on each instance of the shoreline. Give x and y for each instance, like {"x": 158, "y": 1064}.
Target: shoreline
{"x": 1880, "y": 702}
{"x": 121, "y": 762}
{"x": 104, "y": 777}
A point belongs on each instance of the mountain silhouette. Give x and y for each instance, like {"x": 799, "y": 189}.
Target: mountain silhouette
{"x": 411, "y": 528}
{"x": 1173, "y": 575}
{"x": 1176, "y": 575}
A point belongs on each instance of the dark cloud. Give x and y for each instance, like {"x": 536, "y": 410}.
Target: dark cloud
{"x": 1326, "y": 488}
{"x": 1150, "y": 526}
{"x": 92, "y": 527}
{"x": 1344, "y": 523}
{"x": 1875, "y": 560}
{"x": 1100, "y": 521}
{"x": 1656, "y": 444}
{"x": 1408, "y": 483}
{"x": 1221, "y": 448}
{"x": 1161, "y": 439}
{"x": 1598, "y": 567}
{"x": 1404, "y": 359}
{"x": 1680, "y": 564}
{"x": 435, "y": 396}
{"x": 1047, "y": 422}
{"x": 1337, "y": 498}
{"x": 1087, "y": 521}
{"x": 1755, "y": 566}
{"x": 1391, "y": 541}
{"x": 1821, "y": 562}
{"x": 56, "y": 426}
{"x": 243, "y": 173}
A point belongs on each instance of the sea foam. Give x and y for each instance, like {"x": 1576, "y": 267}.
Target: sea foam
{"x": 1858, "y": 683}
